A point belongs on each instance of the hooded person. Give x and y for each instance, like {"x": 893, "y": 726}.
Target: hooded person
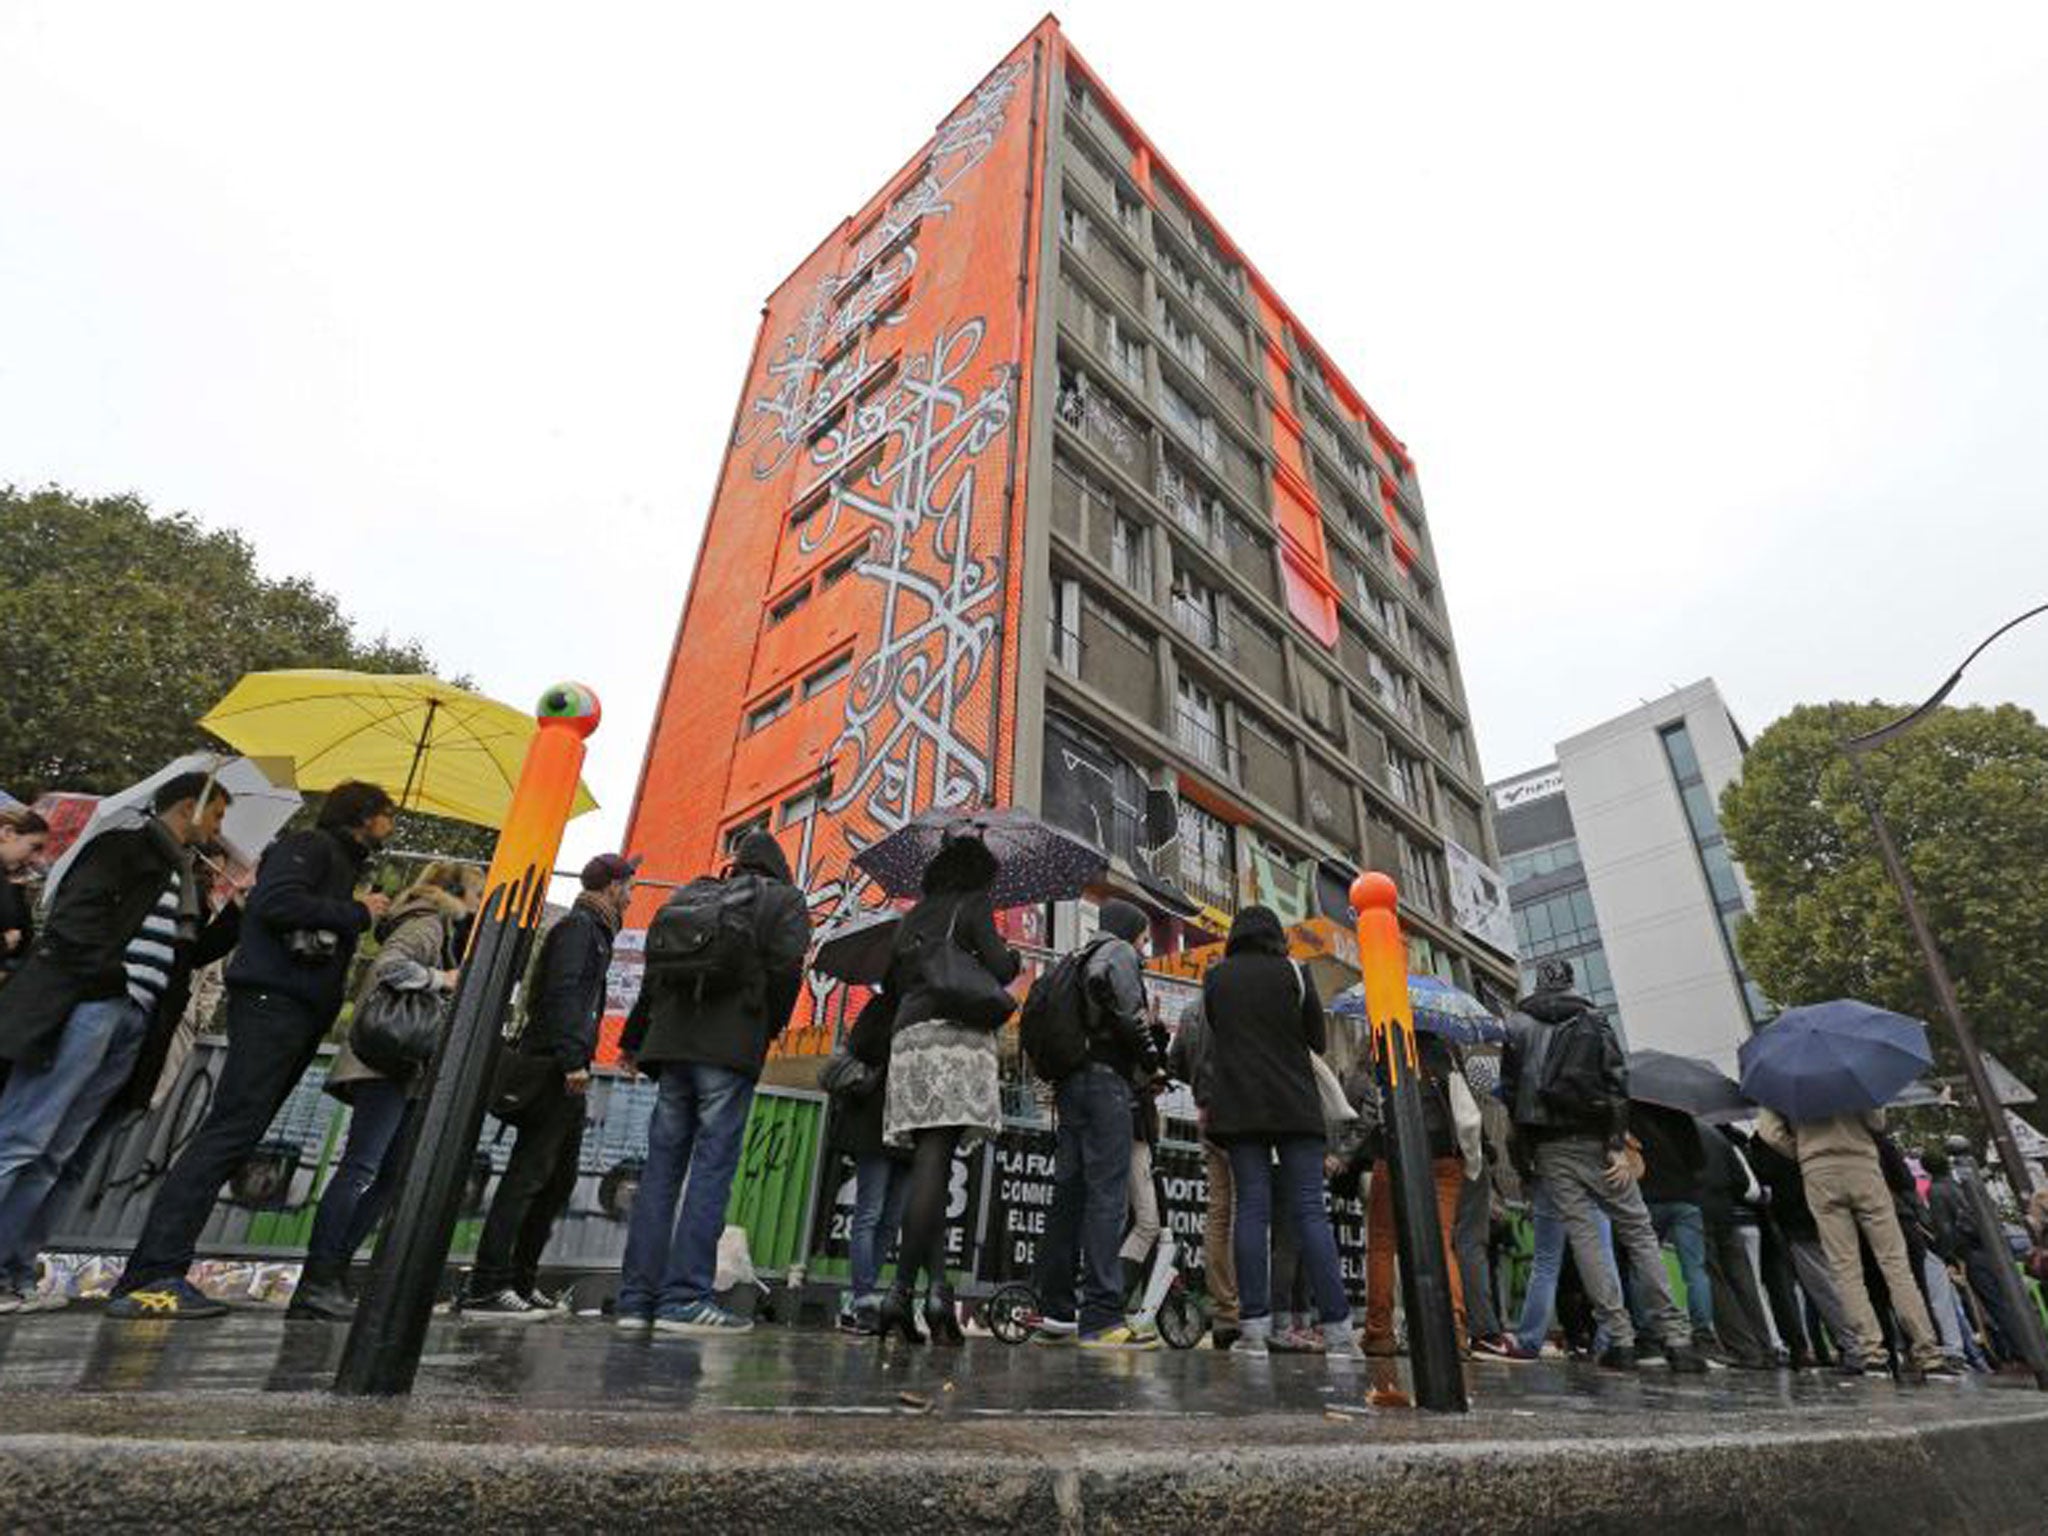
{"x": 1566, "y": 1083}
{"x": 1265, "y": 1023}
{"x": 1094, "y": 1147}
{"x": 704, "y": 1035}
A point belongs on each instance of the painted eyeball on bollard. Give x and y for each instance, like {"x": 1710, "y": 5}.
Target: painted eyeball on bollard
{"x": 575, "y": 704}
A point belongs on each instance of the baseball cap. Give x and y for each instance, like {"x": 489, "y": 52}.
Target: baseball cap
{"x": 609, "y": 869}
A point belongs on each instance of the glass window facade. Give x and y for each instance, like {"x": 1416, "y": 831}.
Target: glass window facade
{"x": 1704, "y": 821}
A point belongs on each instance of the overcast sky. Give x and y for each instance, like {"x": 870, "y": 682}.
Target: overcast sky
{"x": 1720, "y": 335}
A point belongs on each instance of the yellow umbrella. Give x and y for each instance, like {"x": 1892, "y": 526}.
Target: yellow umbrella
{"x": 435, "y": 747}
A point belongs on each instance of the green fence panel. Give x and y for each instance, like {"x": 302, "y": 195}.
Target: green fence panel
{"x": 771, "y": 1192}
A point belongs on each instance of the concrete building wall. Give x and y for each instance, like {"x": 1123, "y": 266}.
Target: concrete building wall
{"x": 1659, "y": 918}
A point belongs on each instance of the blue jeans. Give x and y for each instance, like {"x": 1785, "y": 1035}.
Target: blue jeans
{"x": 1091, "y": 1192}
{"x": 881, "y": 1184}
{"x": 363, "y": 1181}
{"x": 47, "y": 1114}
{"x": 1300, "y": 1184}
{"x": 700, "y": 1121}
{"x": 1679, "y": 1223}
{"x": 1540, "y": 1301}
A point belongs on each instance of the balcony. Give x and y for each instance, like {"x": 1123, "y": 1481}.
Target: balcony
{"x": 1108, "y": 428}
{"x": 1205, "y": 744}
{"x": 1210, "y": 884}
{"x": 1197, "y": 621}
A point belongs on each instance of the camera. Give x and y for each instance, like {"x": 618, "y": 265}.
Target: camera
{"x": 312, "y": 946}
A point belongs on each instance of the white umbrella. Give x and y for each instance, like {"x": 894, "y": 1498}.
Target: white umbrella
{"x": 264, "y": 800}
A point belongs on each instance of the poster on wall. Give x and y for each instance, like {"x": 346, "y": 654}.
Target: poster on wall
{"x": 1479, "y": 899}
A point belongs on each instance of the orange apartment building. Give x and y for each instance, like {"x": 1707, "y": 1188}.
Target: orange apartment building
{"x": 1038, "y": 493}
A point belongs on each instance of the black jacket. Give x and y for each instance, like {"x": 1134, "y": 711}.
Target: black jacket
{"x": 857, "y": 1122}
{"x": 1264, "y": 1019}
{"x": 109, "y": 889}
{"x": 17, "y": 915}
{"x": 1724, "y": 1182}
{"x": 733, "y": 1028}
{"x": 1533, "y": 1032}
{"x": 306, "y": 883}
{"x": 216, "y": 938}
{"x": 1780, "y": 1175}
{"x": 567, "y": 1006}
{"x": 1954, "y": 1223}
{"x": 973, "y": 923}
{"x": 1673, "y": 1158}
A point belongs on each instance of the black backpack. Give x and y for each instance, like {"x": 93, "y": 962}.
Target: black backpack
{"x": 1058, "y": 1017}
{"x": 1575, "y": 1085}
{"x": 703, "y": 936}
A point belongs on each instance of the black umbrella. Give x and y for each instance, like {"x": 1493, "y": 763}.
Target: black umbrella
{"x": 1036, "y": 862}
{"x": 1686, "y": 1084}
{"x": 858, "y": 949}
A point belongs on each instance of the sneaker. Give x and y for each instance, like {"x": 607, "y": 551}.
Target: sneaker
{"x": 701, "y": 1319}
{"x": 1119, "y": 1337}
{"x": 1249, "y": 1344}
{"x": 320, "y": 1301}
{"x": 1296, "y": 1341}
{"x": 43, "y": 1301}
{"x": 634, "y": 1322}
{"x": 1143, "y": 1331}
{"x": 1618, "y": 1357}
{"x": 1498, "y": 1347}
{"x": 1685, "y": 1360}
{"x": 1648, "y": 1350}
{"x": 1055, "y": 1330}
{"x": 506, "y": 1306}
{"x": 165, "y": 1301}
{"x": 10, "y": 1300}
{"x": 1222, "y": 1338}
{"x": 1940, "y": 1370}
{"x": 1340, "y": 1343}
{"x": 1515, "y": 1352}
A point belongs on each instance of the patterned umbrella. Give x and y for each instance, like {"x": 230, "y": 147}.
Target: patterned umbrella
{"x": 1036, "y": 862}
{"x": 1440, "y": 1009}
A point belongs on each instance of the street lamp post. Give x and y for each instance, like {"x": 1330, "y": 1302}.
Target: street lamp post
{"x": 2016, "y": 1170}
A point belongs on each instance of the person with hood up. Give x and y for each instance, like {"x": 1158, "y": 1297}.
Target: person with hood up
{"x": 944, "y": 1089}
{"x": 706, "y": 1046}
{"x": 1566, "y": 1084}
{"x": 1265, "y": 1022}
{"x": 417, "y": 951}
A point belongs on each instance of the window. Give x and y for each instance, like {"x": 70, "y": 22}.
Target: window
{"x": 1208, "y": 866}
{"x": 1699, "y": 810}
{"x": 767, "y": 713}
{"x": 1685, "y": 762}
{"x": 1185, "y": 343}
{"x": 1129, "y": 212}
{"x": 1193, "y": 424}
{"x": 1126, "y": 354}
{"x": 1534, "y": 863}
{"x": 789, "y": 605}
{"x": 1721, "y": 875}
{"x": 1198, "y": 723}
{"x": 1064, "y": 643}
{"x": 806, "y": 803}
{"x": 830, "y": 673}
{"x": 1076, "y": 226}
{"x": 842, "y": 568}
{"x": 1130, "y": 554}
{"x": 1196, "y": 609}
{"x": 733, "y": 834}
{"x": 810, "y": 506}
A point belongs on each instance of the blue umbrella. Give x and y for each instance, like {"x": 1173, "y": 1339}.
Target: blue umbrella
{"x": 1440, "y": 1009}
{"x": 1832, "y": 1059}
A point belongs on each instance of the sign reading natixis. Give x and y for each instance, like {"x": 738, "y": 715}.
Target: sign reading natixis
{"x": 1537, "y": 786}
{"x": 1479, "y": 899}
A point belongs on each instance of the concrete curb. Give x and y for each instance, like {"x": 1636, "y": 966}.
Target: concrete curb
{"x": 1984, "y": 1476}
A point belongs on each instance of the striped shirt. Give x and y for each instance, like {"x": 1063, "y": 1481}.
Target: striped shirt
{"x": 150, "y": 953}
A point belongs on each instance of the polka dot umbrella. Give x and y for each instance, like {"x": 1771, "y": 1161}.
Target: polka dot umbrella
{"x": 1035, "y": 861}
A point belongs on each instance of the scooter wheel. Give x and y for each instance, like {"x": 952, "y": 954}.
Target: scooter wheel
{"x": 1180, "y": 1320}
{"x": 1010, "y": 1313}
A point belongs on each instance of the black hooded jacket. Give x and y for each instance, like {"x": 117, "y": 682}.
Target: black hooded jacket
{"x": 1533, "y": 1032}
{"x": 733, "y": 1028}
{"x": 1264, "y": 1019}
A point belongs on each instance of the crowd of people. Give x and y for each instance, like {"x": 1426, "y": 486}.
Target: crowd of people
{"x": 1799, "y": 1244}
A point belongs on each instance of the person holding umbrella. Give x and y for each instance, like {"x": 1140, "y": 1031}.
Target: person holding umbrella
{"x": 943, "y": 1087}
{"x": 285, "y": 988}
{"x": 1821, "y": 1072}
{"x": 124, "y": 931}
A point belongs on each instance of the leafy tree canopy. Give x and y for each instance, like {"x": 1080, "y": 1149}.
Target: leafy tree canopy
{"x": 1966, "y": 796}
{"x": 122, "y": 627}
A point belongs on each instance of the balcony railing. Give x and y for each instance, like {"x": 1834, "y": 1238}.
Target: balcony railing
{"x": 1095, "y": 418}
{"x": 1205, "y": 744}
{"x": 1198, "y": 623}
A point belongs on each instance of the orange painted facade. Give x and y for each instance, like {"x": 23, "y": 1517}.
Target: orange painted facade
{"x": 847, "y": 656}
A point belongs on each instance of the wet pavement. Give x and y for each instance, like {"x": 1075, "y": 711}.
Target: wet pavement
{"x": 1016, "y": 1424}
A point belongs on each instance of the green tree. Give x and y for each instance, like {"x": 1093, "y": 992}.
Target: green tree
{"x": 120, "y": 627}
{"x": 1966, "y": 795}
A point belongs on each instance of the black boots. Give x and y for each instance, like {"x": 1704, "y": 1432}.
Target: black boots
{"x": 321, "y": 1296}
{"x": 894, "y": 1316}
{"x": 941, "y": 1320}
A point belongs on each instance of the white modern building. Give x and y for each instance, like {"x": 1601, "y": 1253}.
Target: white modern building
{"x": 1614, "y": 860}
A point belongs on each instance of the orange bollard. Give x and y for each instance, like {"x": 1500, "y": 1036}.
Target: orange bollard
{"x": 1433, "y": 1345}
{"x": 382, "y": 1355}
